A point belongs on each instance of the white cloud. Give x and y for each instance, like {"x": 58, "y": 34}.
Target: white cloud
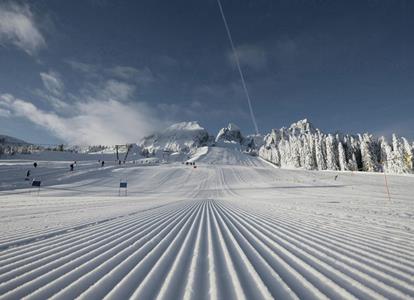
{"x": 124, "y": 72}
{"x": 53, "y": 91}
{"x": 104, "y": 111}
{"x": 142, "y": 76}
{"x": 92, "y": 122}
{"x": 56, "y": 102}
{"x": 52, "y": 82}
{"x": 117, "y": 90}
{"x": 251, "y": 56}
{"x": 17, "y": 26}
{"x": 87, "y": 69}
{"x": 4, "y": 112}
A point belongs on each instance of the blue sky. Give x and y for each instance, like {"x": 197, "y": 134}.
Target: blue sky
{"x": 101, "y": 71}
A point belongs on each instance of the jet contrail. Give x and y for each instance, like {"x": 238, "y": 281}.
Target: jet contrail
{"x": 236, "y": 57}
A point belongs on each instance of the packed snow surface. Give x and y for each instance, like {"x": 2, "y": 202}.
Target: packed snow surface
{"x": 234, "y": 227}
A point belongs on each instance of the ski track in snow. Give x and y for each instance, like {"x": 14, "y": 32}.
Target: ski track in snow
{"x": 221, "y": 231}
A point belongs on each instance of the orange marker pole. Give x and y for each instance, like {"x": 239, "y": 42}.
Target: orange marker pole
{"x": 386, "y": 185}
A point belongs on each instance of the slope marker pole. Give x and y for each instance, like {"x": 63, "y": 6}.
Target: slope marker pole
{"x": 386, "y": 185}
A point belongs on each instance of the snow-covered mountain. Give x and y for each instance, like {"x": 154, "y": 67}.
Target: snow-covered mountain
{"x": 301, "y": 127}
{"x": 178, "y": 138}
{"x": 230, "y": 134}
{"x": 301, "y": 145}
{"x": 231, "y": 137}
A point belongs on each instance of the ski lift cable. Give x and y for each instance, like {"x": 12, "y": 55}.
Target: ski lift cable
{"x": 236, "y": 58}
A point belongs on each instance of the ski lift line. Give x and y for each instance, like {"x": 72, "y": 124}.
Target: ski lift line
{"x": 236, "y": 57}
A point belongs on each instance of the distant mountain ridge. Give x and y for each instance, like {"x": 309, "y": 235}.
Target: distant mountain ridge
{"x": 8, "y": 140}
{"x": 180, "y": 137}
{"x": 11, "y": 145}
{"x": 301, "y": 145}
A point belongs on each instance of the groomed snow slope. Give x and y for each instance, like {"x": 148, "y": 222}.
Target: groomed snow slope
{"x": 235, "y": 228}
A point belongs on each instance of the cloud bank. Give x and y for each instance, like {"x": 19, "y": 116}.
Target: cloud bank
{"x": 104, "y": 111}
{"x": 18, "y": 27}
{"x": 91, "y": 123}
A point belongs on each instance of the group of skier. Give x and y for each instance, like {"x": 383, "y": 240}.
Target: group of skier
{"x": 71, "y": 168}
{"x": 191, "y": 163}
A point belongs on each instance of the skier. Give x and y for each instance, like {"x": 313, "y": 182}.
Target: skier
{"x": 35, "y": 164}
{"x": 336, "y": 177}
{"x": 71, "y": 167}
{"x": 27, "y": 175}
{"x": 103, "y": 163}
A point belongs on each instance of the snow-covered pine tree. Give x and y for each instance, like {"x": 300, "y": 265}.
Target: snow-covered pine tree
{"x": 408, "y": 156}
{"x": 385, "y": 154}
{"x": 308, "y": 161}
{"x": 302, "y": 150}
{"x": 294, "y": 152}
{"x": 343, "y": 165}
{"x": 356, "y": 151}
{"x": 312, "y": 147}
{"x": 396, "y": 160}
{"x": 368, "y": 155}
{"x": 301, "y": 145}
{"x": 284, "y": 150}
{"x": 319, "y": 152}
{"x": 352, "y": 163}
{"x": 331, "y": 156}
{"x": 275, "y": 155}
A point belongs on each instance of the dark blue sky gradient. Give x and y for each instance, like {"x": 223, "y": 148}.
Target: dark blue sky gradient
{"x": 344, "y": 65}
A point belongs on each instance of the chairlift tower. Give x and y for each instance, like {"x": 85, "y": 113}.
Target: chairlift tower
{"x": 168, "y": 152}
{"x": 127, "y": 146}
